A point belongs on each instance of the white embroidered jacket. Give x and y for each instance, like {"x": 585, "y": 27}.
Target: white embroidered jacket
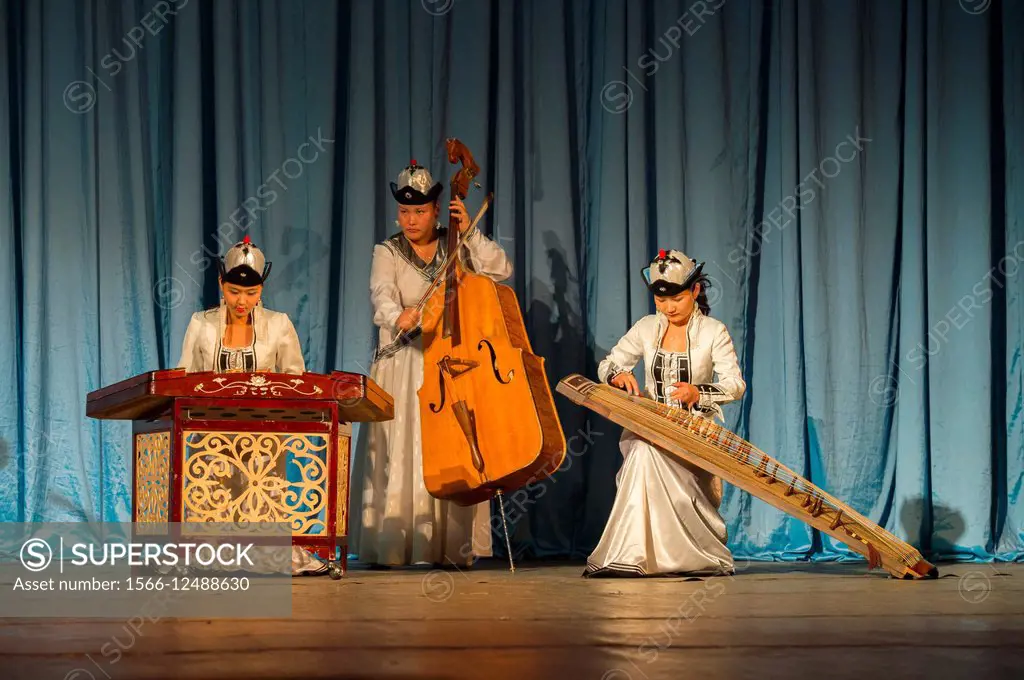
{"x": 277, "y": 344}
{"x": 710, "y": 351}
{"x": 398, "y": 278}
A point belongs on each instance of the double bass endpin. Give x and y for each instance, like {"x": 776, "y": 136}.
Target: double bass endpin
{"x": 504, "y": 526}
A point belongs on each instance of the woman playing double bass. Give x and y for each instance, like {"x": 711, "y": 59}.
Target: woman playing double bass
{"x": 400, "y": 523}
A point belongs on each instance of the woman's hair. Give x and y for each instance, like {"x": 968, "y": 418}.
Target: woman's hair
{"x": 702, "y": 297}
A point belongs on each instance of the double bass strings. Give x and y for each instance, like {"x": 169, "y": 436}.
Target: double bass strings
{"x": 710, "y": 434}
{"x": 450, "y": 257}
{"x": 401, "y": 338}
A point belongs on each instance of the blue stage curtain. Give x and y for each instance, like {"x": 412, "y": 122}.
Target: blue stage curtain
{"x": 850, "y": 171}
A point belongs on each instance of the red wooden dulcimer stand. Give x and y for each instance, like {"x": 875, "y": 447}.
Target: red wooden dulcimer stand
{"x": 245, "y": 447}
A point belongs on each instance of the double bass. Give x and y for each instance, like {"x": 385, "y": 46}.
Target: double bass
{"x": 487, "y": 415}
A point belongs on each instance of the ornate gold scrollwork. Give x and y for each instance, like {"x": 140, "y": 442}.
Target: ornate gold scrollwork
{"x": 243, "y": 477}
{"x": 152, "y": 476}
{"x": 341, "y": 514}
{"x": 259, "y": 385}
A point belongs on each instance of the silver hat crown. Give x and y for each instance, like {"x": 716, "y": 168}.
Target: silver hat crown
{"x": 416, "y": 177}
{"x": 671, "y": 272}
{"x": 672, "y": 266}
{"x": 244, "y": 264}
{"x": 244, "y": 253}
{"x": 416, "y": 186}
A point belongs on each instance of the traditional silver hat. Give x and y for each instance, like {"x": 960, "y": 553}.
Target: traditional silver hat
{"x": 671, "y": 273}
{"x": 244, "y": 264}
{"x": 415, "y": 186}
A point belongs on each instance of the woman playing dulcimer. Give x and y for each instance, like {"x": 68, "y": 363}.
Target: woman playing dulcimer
{"x": 665, "y": 518}
{"x": 242, "y": 335}
{"x": 400, "y": 523}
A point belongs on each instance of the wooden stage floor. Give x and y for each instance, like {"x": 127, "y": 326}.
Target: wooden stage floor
{"x": 770, "y": 620}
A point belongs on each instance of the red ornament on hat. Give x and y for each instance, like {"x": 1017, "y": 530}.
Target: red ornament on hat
{"x": 246, "y": 240}
{"x": 413, "y": 163}
{"x": 661, "y": 254}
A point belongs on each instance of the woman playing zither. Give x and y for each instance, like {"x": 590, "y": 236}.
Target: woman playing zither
{"x": 665, "y": 517}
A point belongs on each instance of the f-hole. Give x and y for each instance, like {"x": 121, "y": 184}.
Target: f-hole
{"x": 436, "y": 408}
{"x": 494, "y": 363}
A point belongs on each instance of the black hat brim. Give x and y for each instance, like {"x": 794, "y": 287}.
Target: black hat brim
{"x": 410, "y": 196}
{"x": 244, "y": 275}
{"x": 668, "y": 289}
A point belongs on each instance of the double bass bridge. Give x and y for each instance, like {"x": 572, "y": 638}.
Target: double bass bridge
{"x": 453, "y": 368}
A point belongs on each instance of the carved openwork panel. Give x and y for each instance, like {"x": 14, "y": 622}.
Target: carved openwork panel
{"x": 256, "y": 477}
{"x": 152, "y": 476}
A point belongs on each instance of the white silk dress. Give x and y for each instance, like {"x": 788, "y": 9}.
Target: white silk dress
{"x": 275, "y": 348}
{"x": 665, "y": 519}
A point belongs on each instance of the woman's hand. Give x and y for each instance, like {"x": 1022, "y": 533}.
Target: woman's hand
{"x": 686, "y": 393}
{"x": 408, "y": 319}
{"x": 626, "y": 381}
{"x": 457, "y": 210}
